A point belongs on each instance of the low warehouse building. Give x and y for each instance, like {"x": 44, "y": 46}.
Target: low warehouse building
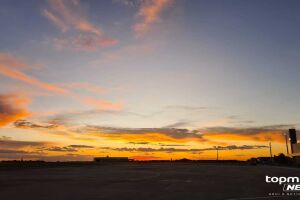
{"x": 111, "y": 159}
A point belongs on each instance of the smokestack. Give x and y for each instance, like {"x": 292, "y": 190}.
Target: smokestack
{"x": 293, "y": 138}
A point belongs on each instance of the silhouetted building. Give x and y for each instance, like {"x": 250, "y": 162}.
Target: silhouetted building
{"x": 111, "y": 159}
{"x": 295, "y": 146}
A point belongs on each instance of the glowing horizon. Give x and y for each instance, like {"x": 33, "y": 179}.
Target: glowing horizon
{"x": 149, "y": 79}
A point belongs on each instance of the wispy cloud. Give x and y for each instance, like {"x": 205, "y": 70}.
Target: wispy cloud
{"x": 83, "y": 42}
{"x": 86, "y": 86}
{"x": 12, "y": 108}
{"x": 130, "y": 3}
{"x": 11, "y": 66}
{"x": 100, "y": 104}
{"x": 68, "y": 16}
{"x": 149, "y": 14}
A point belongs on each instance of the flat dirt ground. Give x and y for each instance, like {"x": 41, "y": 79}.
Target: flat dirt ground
{"x": 143, "y": 181}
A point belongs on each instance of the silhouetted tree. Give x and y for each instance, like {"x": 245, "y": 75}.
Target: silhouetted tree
{"x": 281, "y": 159}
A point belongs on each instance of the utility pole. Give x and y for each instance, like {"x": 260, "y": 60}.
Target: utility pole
{"x": 217, "y": 153}
{"x": 270, "y": 146}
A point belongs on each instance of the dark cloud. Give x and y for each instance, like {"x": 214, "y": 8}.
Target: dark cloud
{"x": 81, "y": 146}
{"x": 142, "y": 149}
{"x": 10, "y": 151}
{"x": 176, "y": 133}
{"x": 5, "y": 138}
{"x": 258, "y": 134}
{"x": 14, "y": 144}
{"x": 138, "y": 142}
{"x": 70, "y": 148}
{"x": 42, "y": 156}
{"x": 171, "y": 132}
{"x": 248, "y": 130}
{"x": 179, "y": 124}
{"x": 27, "y": 124}
{"x": 60, "y": 149}
{"x": 174, "y": 150}
{"x": 243, "y": 147}
{"x": 186, "y": 108}
{"x": 172, "y": 145}
{"x": 158, "y": 144}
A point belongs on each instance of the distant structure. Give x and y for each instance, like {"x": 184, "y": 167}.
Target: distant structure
{"x": 295, "y": 146}
{"x": 112, "y": 159}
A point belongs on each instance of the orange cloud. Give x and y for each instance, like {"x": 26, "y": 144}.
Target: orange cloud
{"x": 12, "y": 108}
{"x": 8, "y": 67}
{"x": 146, "y": 137}
{"x": 101, "y": 104}
{"x": 149, "y": 13}
{"x": 257, "y": 134}
{"x": 9, "y": 60}
{"x": 275, "y": 136}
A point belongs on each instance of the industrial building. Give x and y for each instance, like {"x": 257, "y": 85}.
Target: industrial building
{"x": 295, "y": 146}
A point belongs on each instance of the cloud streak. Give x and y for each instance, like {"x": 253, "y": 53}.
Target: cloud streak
{"x": 11, "y": 66}
{"x": 68, "y": 17}
{"x": 8, "y": 68}
{"x": 149, "y": 14}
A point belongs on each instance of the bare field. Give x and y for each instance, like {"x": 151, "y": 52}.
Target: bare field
{"x": 142, "y": 181}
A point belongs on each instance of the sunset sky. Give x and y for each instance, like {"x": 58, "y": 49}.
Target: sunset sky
{"x": 147, "y": 79}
